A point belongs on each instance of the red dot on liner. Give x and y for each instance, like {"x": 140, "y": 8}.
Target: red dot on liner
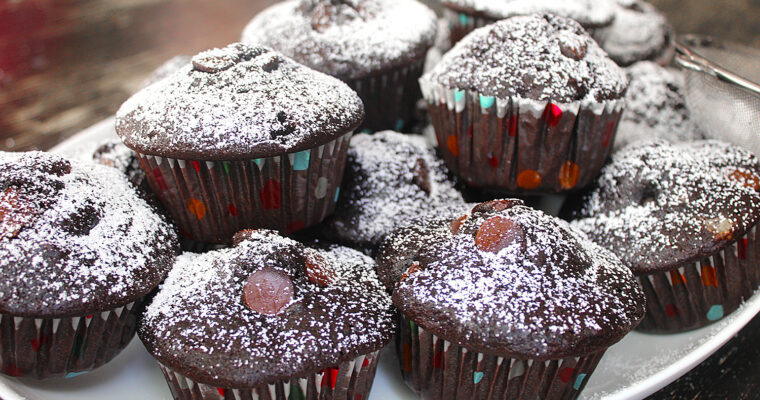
{"x": 366, "y": 362}
{"x": 160, "y": 179}
{"x": 438, "y": 359}
{"x": 232, "y": 210}
{"x": 270, "y": 195}
{"x": 451, "y": 144}
{"x": 469, "y": 131}
{"x": 741, "y": 249}
{"x": 609, "y": 129}
{"x": 565, "y": 374}
{"x": 197, "y": 166}
{"x": 512, "y": 126}
{"x": 329, "y": 377}
{"x": 493, "y": 162}
{"x": 13, "y": 370}
{"x": 221, "y": 391}
{"x": 294, "y": 226}
{"x": 552, "y": 114}
{"x": 671, "y": 310}
{"x": 89, "y": 316}
{"x": 36, "y": 344}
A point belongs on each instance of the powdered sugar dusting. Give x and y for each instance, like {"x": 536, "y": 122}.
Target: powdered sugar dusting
{"x": 87, "y": 244}
{"x": 348, "y": 39}
{"x": 199, "y": 324}
{"x": 236, "y": 103}
{"x": 390, "y": 179}
{"x": 550, "y": 295}
{"x": 589, "y": 13}
{"x": 639, "y": 32}
{"x": 658, "y": 205}
{"x": 655, "y": 107}
{"x": 545, "y": 58}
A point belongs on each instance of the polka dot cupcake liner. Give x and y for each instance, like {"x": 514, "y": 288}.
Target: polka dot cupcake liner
{"x": 390, "y": 97}
{"x": 211, "y": 200}
{"x": 462, "y": 23}
{"x": 517, "y": 145}
{"x": 696, "y": 294}
{"x": 438, "y": 369}
{"x": 351, "y": 380}
{"x": 43, "y": 348}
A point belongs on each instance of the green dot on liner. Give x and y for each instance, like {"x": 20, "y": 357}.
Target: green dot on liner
{"x": 464, "y": 19}
{"x": 715, "y": 313}
{"x": 579, "y": 381}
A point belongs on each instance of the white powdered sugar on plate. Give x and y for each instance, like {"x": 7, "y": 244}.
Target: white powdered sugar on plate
{"x": 239, "y": 102}
{"x": 78, "y": 240}
{"x": 658, "y": 205}
{"x": 391, "y": 178}
{"x": 544, "y": 58}
{"x": 199, "y": 323}
{"x": 348, "y": 39}
{"x": 589, "y": 13}
{"x": 655, "y": 107}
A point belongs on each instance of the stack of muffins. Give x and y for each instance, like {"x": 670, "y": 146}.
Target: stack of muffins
{"x": 308, "y": 247}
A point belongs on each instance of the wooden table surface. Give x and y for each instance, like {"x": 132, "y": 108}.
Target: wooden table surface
{"x": 66, "y": 64}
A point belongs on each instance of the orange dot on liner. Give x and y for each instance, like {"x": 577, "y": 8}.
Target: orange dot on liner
{"x": 709, "y": 276}
{"x": 451, "y": 144}
{"x": 749, "y": 179}
{"x": 529, "y": 179}
{"x": 197, "y": 208}
{"x": 568, "y": 175}
{"x": 677, "y": 278}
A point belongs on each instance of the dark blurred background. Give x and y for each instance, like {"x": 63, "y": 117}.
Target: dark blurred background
{"x": 66, "y": 64}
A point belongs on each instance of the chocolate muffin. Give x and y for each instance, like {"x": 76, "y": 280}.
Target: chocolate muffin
{"x": 79, "y": 252}
{"x": 505, "y": 302}
{"x": 115, "y": 154}
{"x": 639, "y": 32}
{"x": 528, "y": 104}
{"x": 378, "y": 47}
{"x": 390, "y": 179}
{"x": 269, "y": 318}
{"x": 656, "y": 107}
{"x": 242, "y": 137}
{"x": 466, "y": 15}
{"x": 684, "y": 218}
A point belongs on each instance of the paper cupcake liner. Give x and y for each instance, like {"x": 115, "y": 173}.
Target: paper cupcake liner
{"x": 351, "y": 380}
{"x": 439, "y": 369}
{"x": 212, "y": 200}
{"x": 519, "y": 145}
{"x": 390, "y": 97}
{"x": 699, "y": 293}
{"x": 65, "y": 347}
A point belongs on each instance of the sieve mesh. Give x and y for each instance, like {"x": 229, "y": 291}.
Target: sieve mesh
{"x": 722, "y": 89}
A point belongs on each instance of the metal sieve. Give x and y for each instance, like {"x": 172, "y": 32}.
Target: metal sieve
{"x": 722, "y": 89}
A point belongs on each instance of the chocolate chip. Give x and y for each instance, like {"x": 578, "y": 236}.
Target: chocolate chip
{"x": 218, "y": 60}
{"x": 496, "y": 205}
{"x": 282, "y": 117}
{"x": 421, "y": 176}
{"x": 318, "y": 271}
{"x": 499, "y": 232}
{"x": 572, "y": 46}
{"x": 83, "y": 221}
{"x": 15, "y": 213}
{"x": 268, "y": 291}
{"x": 272, "y": 64}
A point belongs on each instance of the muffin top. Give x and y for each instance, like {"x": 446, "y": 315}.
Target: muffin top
{"x": 589, "y": 13}
{"x": 655, "y": 107}
{"x": 511, "y": 281}
{"x": 658, "y": 205}
{"x": 265, "y": 310}
{"x": 348, "y": 39}
{"x": 238, "y": 103}
{"x": 546, "y": 58}
{"x": 75, "y": 238}
{"x": 639, "y": 32}
{"x": 390, "y": 178}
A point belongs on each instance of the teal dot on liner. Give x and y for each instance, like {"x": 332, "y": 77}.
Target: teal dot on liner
{"x": 226, "y": 167}
{"x": 73, "y": 374}
{"x": 486, "y": 101}
{"x": 458, "y": 95}
{"x": 301, "y": 160}
{"x": 399, "y": 125}
{"x": 579, "y": 381}
{"x": 477, "y": 377}
{"x": 257, "y": 161}
{"x": 715, "y": 313}
{"x": 464, "y": 19}
{"x": 337, "y": 192}
{"x": 366, "y": 130}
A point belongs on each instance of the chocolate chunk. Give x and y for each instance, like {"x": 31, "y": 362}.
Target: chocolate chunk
{"x": 268, "y": 291}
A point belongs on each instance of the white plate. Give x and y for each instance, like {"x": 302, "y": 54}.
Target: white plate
{"x": 634, "y": 368}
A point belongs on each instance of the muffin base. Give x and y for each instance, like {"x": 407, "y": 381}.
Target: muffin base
{"x": 43, "y": 348}
{"x": 696, "y": 294}
{"x": 521, "y": 146}
{"x": 212, "y": 200}
{"x": 351, "y": 380}
{"x": 438, "y": 369}
{"x": 390, "y": 97}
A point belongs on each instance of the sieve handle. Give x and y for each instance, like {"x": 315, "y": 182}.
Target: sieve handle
{"x": 689, "y": 59}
